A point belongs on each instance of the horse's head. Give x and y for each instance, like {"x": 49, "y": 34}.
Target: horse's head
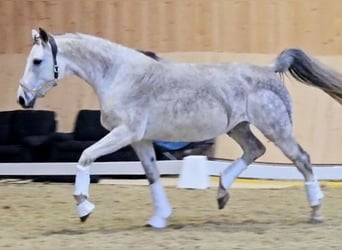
{"x": 41, "y": 70}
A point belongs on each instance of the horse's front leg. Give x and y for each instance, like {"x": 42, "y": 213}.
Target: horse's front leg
{"x": 113, "y": 141}
{"x": 162, "y": 207}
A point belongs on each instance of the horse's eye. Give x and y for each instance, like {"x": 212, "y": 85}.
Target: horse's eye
{"x": 37, "y": 61}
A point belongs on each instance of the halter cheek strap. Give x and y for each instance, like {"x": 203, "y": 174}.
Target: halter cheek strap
{"x": 54, "y": 51}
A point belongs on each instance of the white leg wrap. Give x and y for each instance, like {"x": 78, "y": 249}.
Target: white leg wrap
{"x": 162, "y": 207}
{"x": 232, "y": 172}
{"x": 314, "y": 193}
{"x": 85, "y": 208}
{"x": 82, "y": 181}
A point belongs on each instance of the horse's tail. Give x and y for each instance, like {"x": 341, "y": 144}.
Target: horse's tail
{"x": 309, "y": 71}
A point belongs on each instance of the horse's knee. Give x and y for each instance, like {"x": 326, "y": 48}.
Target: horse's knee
{"x": 85, "y": 159}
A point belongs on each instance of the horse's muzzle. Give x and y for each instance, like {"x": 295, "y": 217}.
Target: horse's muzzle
{"x": 22, "y": 102}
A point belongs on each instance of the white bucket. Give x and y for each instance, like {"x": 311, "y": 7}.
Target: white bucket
{"x": 194, "y": 173}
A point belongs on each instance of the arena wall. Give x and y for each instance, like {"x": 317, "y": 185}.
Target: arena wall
{"x": 194, "y": 31}
{"x": 247, "y": 26}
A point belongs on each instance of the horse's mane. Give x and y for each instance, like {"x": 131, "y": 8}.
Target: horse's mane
{"x": 150, "y": 54}
{"x": 78, "y": 35}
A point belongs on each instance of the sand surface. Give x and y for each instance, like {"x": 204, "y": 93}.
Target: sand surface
{"x": 43, "y": 216}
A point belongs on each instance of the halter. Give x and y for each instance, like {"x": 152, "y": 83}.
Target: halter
{"x": 54, "y": 51}
{"x": 42, "y": 90}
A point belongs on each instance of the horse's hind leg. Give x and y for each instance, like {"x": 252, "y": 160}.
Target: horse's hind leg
{"x": 301, "y": 159}
{"x": 252, "y": 149}
{"x": 273, "y": 120}
{"x": 162, "y": 207}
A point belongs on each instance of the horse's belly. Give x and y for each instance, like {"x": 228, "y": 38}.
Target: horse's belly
{"x": 187, "y": 128}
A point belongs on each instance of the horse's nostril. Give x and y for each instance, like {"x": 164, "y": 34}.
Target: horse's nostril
{"x": 21, "y": 101}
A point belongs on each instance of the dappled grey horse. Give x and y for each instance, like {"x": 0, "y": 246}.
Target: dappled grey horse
{"x": 143, "y": 100}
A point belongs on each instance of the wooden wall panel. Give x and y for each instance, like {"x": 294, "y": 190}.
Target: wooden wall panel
{"x": 179, "y": 26}
{"x": 249, "y": 26}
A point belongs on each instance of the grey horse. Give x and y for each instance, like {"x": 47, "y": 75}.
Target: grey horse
{"x": 143, "y": 100}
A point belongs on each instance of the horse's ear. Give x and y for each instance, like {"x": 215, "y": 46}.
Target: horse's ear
{"x": 43, "y": 35}
{"x": 35, "y": 36}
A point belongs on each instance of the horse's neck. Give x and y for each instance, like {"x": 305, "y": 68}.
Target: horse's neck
{"x": 93, "y": 60}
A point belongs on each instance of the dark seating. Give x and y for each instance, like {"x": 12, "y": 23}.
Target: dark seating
{"x": 25, "y": 135}
{"x": 31, "y": 136}
{"x": 68, "y": 147}
{"x": 10, "y": 151}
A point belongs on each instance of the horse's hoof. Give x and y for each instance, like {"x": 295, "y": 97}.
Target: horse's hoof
{"x": 157, "y": 222}
{"x": 316, "y": 220}
{"x": 84, "y": 209}
{"x": 316, "y": 215}
{"x": 222, "y": 201}
{"x": 84, "y": 218}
